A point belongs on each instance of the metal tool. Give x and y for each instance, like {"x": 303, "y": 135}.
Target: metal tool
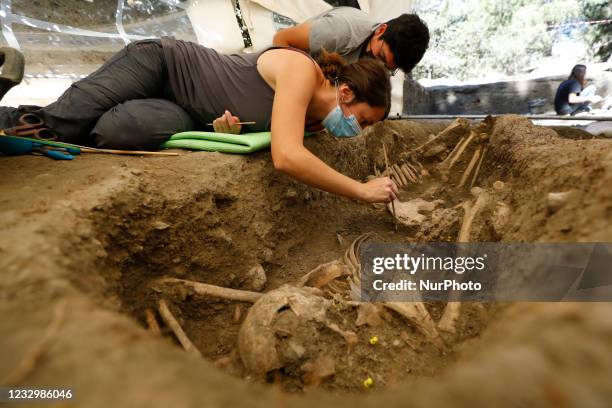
{"x": 389, "y": 175}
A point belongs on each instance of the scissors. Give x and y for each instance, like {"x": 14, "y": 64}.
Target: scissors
{"x": 32, "y": 126}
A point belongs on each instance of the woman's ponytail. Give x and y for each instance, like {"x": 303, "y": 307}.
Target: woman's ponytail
{"x": 331, "y": 64}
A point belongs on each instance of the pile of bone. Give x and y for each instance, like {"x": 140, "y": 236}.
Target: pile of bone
{"x": 269, "y": 338}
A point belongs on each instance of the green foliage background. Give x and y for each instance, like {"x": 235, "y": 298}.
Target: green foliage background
{"x": 470, "y": 38}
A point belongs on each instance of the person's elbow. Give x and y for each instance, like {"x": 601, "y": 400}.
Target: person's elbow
{"x": 281, "y": 162}
{"x": 285, "y": 162}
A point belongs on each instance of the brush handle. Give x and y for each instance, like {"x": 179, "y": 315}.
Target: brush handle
{"x": 238, "y": 123}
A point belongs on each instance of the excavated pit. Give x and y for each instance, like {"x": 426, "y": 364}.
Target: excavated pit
{"x": 262, "y": 219}
{"x": 212, "y": 218}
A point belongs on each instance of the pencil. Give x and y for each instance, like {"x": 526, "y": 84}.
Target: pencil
{"x": 238, "y": 123}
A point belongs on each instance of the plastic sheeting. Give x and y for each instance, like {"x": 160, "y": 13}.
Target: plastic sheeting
{"x": 64, "y": 40}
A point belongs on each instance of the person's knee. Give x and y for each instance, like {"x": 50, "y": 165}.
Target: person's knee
{"x": 142, "y": 124}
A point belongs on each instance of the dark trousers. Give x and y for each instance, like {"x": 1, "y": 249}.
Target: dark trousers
{"x": 125, "y": 104}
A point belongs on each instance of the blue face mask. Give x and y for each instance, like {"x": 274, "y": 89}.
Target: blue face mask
{"x": 339, "y": 125}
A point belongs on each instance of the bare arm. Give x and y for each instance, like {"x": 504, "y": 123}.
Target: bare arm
{"x": 297, "y": 37}
{"x": 296, "y": 81}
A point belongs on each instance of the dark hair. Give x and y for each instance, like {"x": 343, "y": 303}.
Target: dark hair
{"x": 408, "y": 39}
{"x": 368, "y": 78}
{"x": 578, "y": 73}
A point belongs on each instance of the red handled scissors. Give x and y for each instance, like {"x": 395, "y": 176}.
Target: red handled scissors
{"x": 31, "y": 126}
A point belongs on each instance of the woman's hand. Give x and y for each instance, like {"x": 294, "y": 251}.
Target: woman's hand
{"x": 379, "y": 190}
{"x": 227, "y": 123}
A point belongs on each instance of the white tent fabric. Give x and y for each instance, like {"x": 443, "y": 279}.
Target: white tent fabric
{"x": 385, "y": 10}
{"x": 215, "y": 24}
{"x": 297, "y": 10}
{"x": 216, "y": 27}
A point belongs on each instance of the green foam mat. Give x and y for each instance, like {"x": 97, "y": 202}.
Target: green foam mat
{"x": 219, "y": 142}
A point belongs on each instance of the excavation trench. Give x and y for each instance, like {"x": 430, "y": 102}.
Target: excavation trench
{"x": 216, "y": 218}
{"x": 266, "y": 222}
{"x": 229, "y": 235}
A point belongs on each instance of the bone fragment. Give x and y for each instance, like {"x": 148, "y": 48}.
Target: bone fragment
{"x": 417, "y": 313}
{"x": 554, "y": 201}
{"x": 409, "y": 212}
{"x": 498, "y": 185}
{"x": 452, "y": 153}
{"x": 176, "y": 328}
{"x": 460, "y": 151}
{"x": 315, "y": 371}
{"x": 470, "y": 211}
{"x": 237, "y": 315}
{"x": 152, "y": 324}
{"x": 206, "y": 289}
{"x": 396, "y": 176}
{"x": 406, "y": 173}
{"x": 255, "y": 278}
{"x": 400, "y": 174}
{"x": 470, "y": 167}
{"x": 452, "y": 310}
{"x": 500, "y": 217}
{"x": 457, "y": 123}
{"x": 323, "y": 274}
{"x": 350, "y": 337}
{"x": 477, "y": 172}
{"x": 450, "y": 316}
{"x": 369, "y": 313}
{"x": 434, "y": 150}
{"x": 413, "y": 176}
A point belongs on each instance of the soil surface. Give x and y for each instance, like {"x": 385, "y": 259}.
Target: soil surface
{"x": 82, "y": 241}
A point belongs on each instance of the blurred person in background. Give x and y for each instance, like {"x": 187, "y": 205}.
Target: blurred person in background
{"x": 573, "y": 96}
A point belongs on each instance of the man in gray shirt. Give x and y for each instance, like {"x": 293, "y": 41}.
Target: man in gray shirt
{"x": 399, "y": 43}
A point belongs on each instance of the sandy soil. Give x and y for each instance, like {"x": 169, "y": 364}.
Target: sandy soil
{"x": 82, "y": 240}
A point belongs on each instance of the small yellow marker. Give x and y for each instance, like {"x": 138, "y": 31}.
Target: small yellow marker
{"x": 373, "y": 340}
{"x": 368, "y": 382}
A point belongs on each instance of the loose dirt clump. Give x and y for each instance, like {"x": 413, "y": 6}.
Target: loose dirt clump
{"x": 212, "y": 253}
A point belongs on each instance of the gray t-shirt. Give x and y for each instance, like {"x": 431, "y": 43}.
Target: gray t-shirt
{"x": 342, "y": 30}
